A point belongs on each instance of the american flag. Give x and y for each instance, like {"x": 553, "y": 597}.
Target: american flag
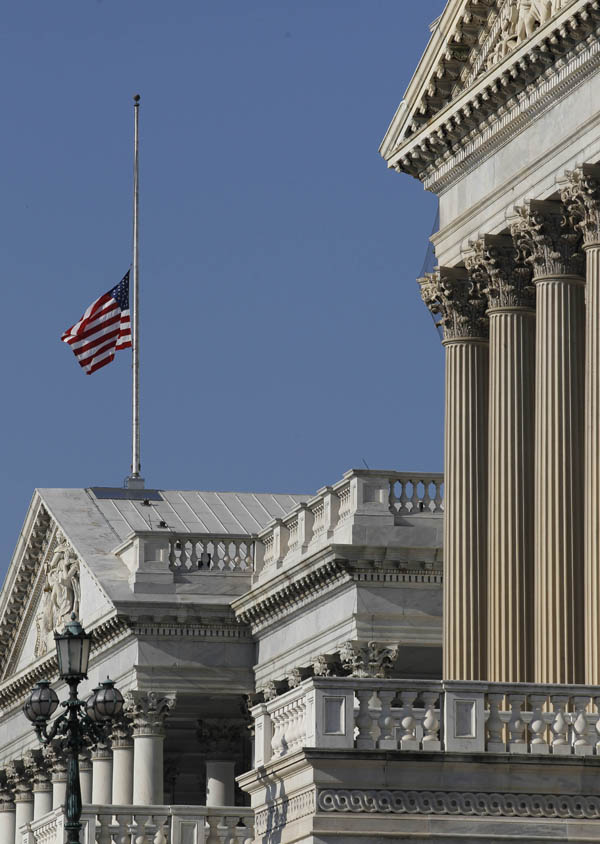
{"x": 103, "y": 329}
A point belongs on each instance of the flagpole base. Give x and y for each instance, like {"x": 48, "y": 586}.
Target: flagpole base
{"x": 134, "y": 482}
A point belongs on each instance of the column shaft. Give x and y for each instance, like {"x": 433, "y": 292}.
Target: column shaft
{"x": 102, "y": 777}
{"x": 42, "y": 802}
{"x": 122, "y": 787}
{"x": 148, "y": 786}
{"x": 592, "y": 467}
{"x": 23, "y": 814}
{"x": 465, "y": 501}
{"x": 559, "y": 585}
{"x": 511, "y": 505}
{"x": 220, "y": 782}
{"x": 7, "y": 824}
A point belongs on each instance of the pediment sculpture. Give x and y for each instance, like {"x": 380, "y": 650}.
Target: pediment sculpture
{"x": 60, "y": 596}
{"x": 518, "y": 21}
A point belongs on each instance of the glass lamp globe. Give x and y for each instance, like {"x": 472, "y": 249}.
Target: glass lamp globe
{"x": 41, "y": 703}
{"x": 73, "y": 650}
{"x": 90, "y": 704}
{"x": 108, "y": 702}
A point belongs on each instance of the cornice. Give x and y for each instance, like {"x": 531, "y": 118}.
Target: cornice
{"x": 331, "y": 568}
{"x": 527, "y": 82}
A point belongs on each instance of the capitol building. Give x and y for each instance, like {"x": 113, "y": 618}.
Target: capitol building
{"x": 399, "y": 656}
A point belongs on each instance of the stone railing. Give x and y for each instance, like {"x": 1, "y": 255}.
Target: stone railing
{"x": 148, "y": 825}
{"x": 191, "y": 552}
{"x": 419, "y": 715}
{"x": 359, "y": 508}
{"x": 416, "y": 492}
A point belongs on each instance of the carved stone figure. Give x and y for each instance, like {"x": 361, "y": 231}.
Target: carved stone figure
{"x": 61, "y": 595}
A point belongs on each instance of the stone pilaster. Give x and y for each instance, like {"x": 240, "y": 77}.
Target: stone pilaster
{"x": 581, "y": 197}
{"x": 21, "y": 783}
{"x": 148, "y": 712}
{"x": 554, "y": 254}
{"x": 460, "y": 304}
{"x": 122, "y": 746}
{"x": 510, "y": 300}
{"x": 37, "y": 768}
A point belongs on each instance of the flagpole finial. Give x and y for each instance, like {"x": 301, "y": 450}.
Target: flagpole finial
{"x": 136, "y": 99}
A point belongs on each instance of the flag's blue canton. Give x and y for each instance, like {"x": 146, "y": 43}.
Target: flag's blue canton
{"x": 121, "y": 292}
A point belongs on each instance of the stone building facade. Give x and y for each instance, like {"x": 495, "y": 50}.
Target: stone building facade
{"x": 398, "y": 656}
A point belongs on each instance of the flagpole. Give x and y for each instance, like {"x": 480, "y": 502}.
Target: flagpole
{"x": 135, "y": 481}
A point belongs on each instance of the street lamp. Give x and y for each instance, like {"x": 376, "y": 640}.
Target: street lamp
{"x": 81, "y": 721}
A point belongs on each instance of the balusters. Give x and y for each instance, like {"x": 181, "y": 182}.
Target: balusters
{"x": 172, "y": 555}
{"x": 430, "y": 722}
{"x": 102, "y": 830}
{"x": 516, "y": 725}
{"x": 495, "y": 725}
{"x": 582, "y": 743}
{"x": 364, "y": 721}
{"x": 120, "y": 829}
{"x": 387, "y": 740}
{"x": 217, "y": 831}
{"x": 408, "y": 739}
{"x": 560, "y": 743}
{"x": 537, "y": 725}
{"x": 193, "y": 555}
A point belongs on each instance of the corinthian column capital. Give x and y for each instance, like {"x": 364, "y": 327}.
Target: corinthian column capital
{"x": 37, "y": 767}
{"x": 149, "y": 711}
{"x": 492, "y": 263}
{"x": 459, "y": 302}
{"x": 545, "y": 241}
{"x": 581, "y": 198}
{"x": 20, "y": 780}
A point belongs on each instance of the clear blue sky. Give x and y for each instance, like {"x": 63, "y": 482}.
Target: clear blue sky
{"x": 283, "y": 338}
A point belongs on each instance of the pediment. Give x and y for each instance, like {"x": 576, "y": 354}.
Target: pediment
{"x": 42, "y": 589}
{"x": 471, "y": 39}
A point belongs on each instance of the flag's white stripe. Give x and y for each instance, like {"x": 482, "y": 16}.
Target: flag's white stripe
{"x": 88, "y": 313}
{"x": 93, "y": 338}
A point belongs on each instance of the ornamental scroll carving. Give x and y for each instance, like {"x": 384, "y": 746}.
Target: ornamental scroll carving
{"x": 459, "y": 803}
{"x": 459, "y": 302}
{"x": 581, "y": 198}
{"x": 546, "y": 241}
{"x": 505, "y": 282}
{"x": 368, "y": 659}
{"x": 61, "y": 595}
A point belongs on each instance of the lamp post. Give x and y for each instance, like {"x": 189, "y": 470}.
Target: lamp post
{"x": 82, "y": 721}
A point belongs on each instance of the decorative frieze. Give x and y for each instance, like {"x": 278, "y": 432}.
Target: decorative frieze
{"x": 368, "y": 659}
{"x": 544, "y": 242}
{"x": 459, "y": 302}
{"x": 326, "y": 665}
{"x": 505, "y": 282}
{"x": 581, "y": 197}
{"x": 281, "y": 812}
{"x": 481, "y": 804}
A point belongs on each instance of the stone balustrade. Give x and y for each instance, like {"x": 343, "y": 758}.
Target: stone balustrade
{"x": 148, "y": 825}
{"x": 416, "y": 493}
{"x": 420, "y": 715}
{"x": 218, "y": 554}
{"x": 344, "y": 513}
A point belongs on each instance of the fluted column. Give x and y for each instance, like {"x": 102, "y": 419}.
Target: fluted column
{"x": 581, "y": 197}
{"x": 102, "y": 767}
{"x": 38, "y": 770}
{"x": 554, "y": 254}
{"x": 461, "y": 305}
{"x": 7, "y": 810}
{"x": 122, "y": 745}
{"x": 510, "y": 299}
{"x": 148, "y": 712}
{"x": 21, "y": 784}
